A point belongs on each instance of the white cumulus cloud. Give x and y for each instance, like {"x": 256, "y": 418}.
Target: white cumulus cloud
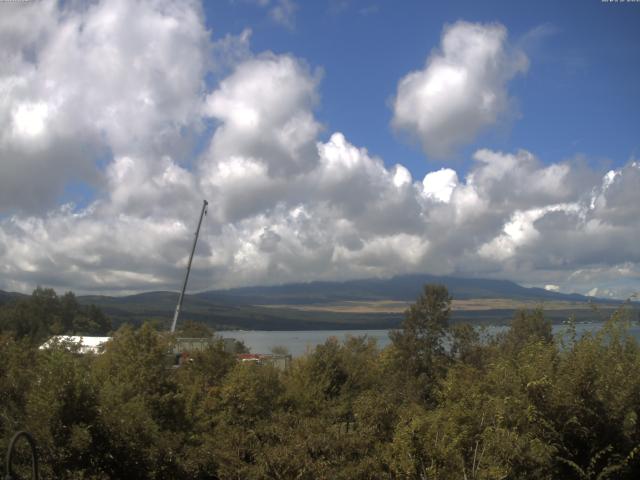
{"x": 116, "y": 92}
{"x": 440, "y": 184}
{"x": 462, "y": 88}
{"x": 114, "y": 77}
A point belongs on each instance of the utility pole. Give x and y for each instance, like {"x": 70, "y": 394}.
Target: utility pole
{"x": 186, "y": 277}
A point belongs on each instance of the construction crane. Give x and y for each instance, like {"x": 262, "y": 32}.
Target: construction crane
{"x": 186, "y": 277}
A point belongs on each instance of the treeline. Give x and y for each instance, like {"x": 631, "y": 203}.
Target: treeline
{"x": 438, "y": 403}
{"x": 44, "y": 313}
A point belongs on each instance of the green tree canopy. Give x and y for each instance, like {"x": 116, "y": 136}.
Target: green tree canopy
{"x": 418, "y": 344}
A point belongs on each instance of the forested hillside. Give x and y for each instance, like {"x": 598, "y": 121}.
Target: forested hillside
{"x": 522, "y": 405}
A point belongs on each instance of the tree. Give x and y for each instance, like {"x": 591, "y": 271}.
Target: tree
{"x": 142, "y": 415}
{"x": 32, "y": 317}
{"x": 45, "y": 313}
{"x": 528, "y": 327}
{"x": 191, "y": 329}
{"x": 61, "y": 412}
{"x": 69, "y": 310}
{"x": 466, "y": 345}
{"x": 418, "y": 346}
{"x": 279, "y": 350}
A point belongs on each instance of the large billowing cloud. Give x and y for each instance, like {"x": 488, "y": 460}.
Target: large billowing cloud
{"x": 461, "y": 90}
{"x": 265, "y": 109}
{"x": 111, "y": 78}
{"x": 284, "y": 204}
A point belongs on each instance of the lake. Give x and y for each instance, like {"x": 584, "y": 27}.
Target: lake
{"x": 298, "y": 342}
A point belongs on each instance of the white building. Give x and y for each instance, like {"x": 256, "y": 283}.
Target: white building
{"x": 85, "y": 344}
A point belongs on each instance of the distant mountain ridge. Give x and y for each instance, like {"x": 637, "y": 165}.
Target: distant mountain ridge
{"x": 278, "y": 307}
{"x": 399, "y": 288}
{"x": 9, "y": 296}
{"x": 295, "y": 306}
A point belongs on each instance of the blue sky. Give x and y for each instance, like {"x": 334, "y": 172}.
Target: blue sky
{"x": 332, "y": 139}
{"x": 585, "y": 66}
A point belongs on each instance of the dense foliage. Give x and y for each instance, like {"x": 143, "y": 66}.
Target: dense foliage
{"x": 439, "y": 403}
{"x": 44, "y": 313}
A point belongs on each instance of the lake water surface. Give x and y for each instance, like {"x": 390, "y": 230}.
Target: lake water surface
{"x": 299, "y": 342}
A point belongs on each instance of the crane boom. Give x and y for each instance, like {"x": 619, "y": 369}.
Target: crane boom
{"x": 186, "y": 277}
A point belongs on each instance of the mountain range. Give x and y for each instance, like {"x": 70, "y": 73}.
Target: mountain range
{"x": 352, "y": 304}
{"x": 398, "y": 288}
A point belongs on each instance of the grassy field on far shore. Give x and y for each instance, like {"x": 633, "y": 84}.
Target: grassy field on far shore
{"x": 391, "y": 306}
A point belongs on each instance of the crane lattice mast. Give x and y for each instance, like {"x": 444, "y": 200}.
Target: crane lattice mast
{"x": 186, "y": 277}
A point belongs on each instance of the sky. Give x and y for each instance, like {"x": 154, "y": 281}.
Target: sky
{"x": 333, "y": 139}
